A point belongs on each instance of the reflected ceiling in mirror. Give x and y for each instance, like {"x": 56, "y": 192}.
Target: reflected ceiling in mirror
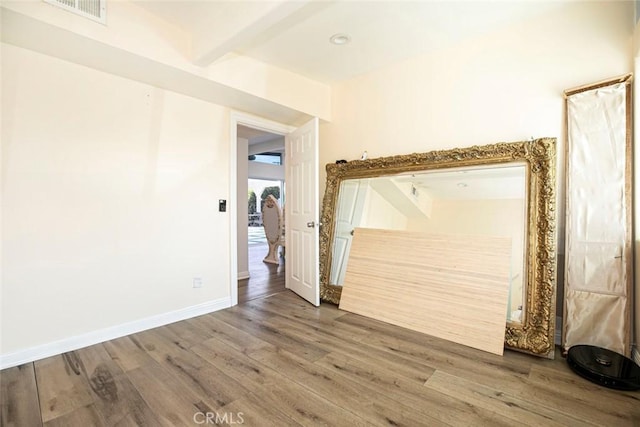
{"x": 443, "y": 177}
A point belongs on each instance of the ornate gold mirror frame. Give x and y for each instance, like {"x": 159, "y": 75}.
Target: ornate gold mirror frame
{"x": 535, "y": 334}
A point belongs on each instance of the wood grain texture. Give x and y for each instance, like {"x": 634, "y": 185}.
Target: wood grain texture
{"x": 589, "y": 402}
{"x": 172, "y": 402}
{"x": 128, "y": 352}
{"x": 193, "y": 371}
{"x": 450, "y": 287}
{"x": 115, "y": 398}
{"x": 376, "y": 408}
{"x": 406, "y": 392}
{"x": 363, "y": 372}
{"x": 264, "y": 279}
{"x": 510, "y": 406}
{"x": 83, "y": 416}
{"x": 507, "y": 373}
{"x": 61, "y": 387}
{"x": 273, "y": 389}
{"x": 88, "y": 384}
{"x": 19, "y": 404}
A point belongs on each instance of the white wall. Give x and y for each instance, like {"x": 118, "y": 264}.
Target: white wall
{"x": 379, "y": 213}
{"x": 501, "y": 217}
{"x": 504, "y": 86}
{"x": 110, "y": 191}
{"x": 161, "y": 57}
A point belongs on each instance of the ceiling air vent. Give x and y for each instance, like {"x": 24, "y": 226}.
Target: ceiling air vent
{"x": 96, "y": 10}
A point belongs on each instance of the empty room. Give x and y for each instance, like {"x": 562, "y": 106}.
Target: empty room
{"x": 308, "y": 212}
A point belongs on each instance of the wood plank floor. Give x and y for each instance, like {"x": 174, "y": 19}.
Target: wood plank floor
{"x": 264, "y": 279}
{"x": 277, "y": 361}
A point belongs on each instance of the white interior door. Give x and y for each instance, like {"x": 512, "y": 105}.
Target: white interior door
{"x": 351, "y": 201}
{"x": 302, "y": 212}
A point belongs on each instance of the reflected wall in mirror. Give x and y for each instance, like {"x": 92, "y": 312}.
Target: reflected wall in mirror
{"x": 503, "y": 189}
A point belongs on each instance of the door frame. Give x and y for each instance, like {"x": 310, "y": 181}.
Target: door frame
{"x": 255, "y": 122}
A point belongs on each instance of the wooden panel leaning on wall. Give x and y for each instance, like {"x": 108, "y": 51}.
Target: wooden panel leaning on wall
{"x": 451, "y": 287}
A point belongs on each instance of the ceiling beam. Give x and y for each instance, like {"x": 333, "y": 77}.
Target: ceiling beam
{"x": 207, "y": 48}
{"x": 23, "y": 31}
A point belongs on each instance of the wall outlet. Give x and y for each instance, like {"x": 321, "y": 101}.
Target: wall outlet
{"x": 197, "y": 282}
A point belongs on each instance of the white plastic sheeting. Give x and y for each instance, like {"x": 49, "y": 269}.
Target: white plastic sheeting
{"x": 598, "y": 253}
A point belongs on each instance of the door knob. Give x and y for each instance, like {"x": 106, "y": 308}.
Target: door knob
{"x": 311, "y": 224}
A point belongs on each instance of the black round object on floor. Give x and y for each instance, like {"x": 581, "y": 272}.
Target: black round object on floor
{"x": 604, "y": 367}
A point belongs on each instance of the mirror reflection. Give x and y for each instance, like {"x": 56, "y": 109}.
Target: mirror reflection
{"x": 487, "y": 200}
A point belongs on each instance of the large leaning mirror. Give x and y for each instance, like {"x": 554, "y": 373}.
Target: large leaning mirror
{"x": 505, "y": 189}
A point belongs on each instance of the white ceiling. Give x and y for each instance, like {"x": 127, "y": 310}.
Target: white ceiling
{"x": 255, "y": 136}
{"x": 475, "y": 183}
{"x": 294, "y": 35}
{"x": 260, "y": 141}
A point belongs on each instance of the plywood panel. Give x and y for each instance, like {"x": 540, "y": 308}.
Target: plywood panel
{"x": 451, "y": 287}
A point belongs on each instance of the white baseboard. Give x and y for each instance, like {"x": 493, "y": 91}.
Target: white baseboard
{"x": 243, "y": 275}
{"x": 636, "y": 354}
{"x": 74, "y": 343}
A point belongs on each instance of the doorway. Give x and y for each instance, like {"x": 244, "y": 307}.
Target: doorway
{"x": 263, "y": 279}
{"x": 259, "y": 164}
{"x": 302, "y": 218}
